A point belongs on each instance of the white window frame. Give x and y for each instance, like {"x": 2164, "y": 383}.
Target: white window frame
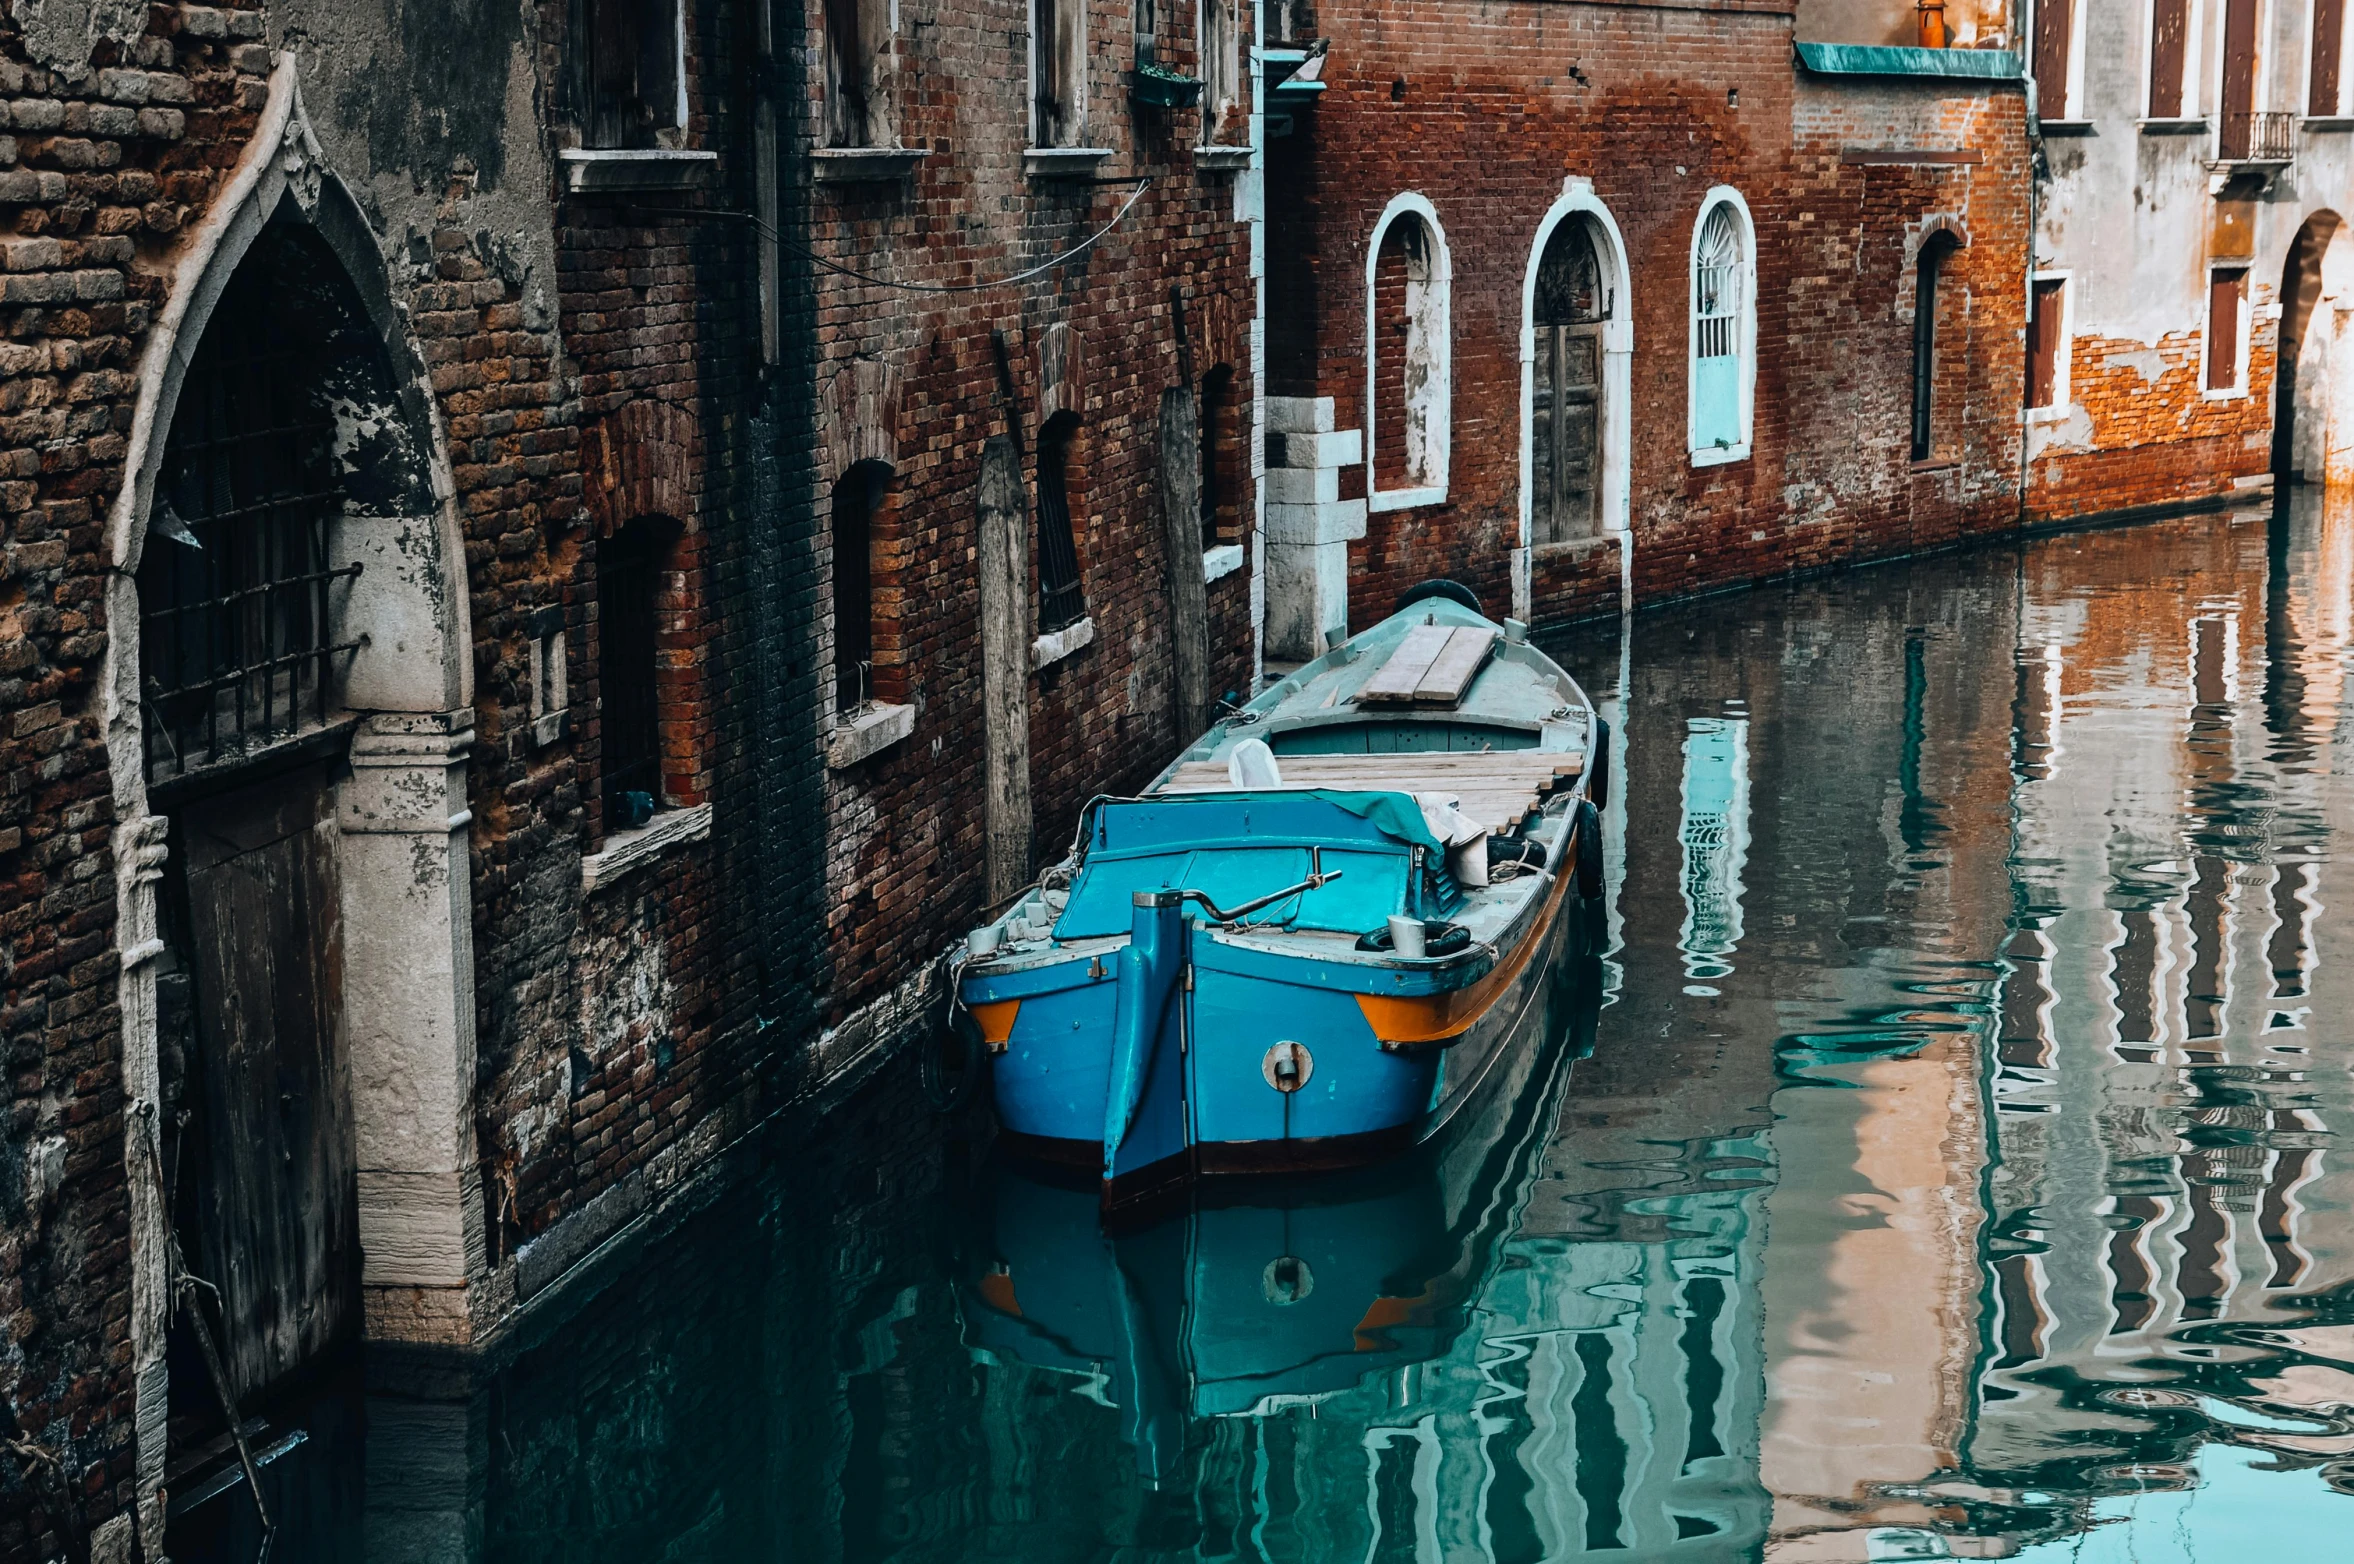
{"x": 1744, "y": 333}
{"x": 2193, "y": 103}
{"x": 1440, "y": 414}
{"x": 2064, "y": 351}
{"x": 2073, "y": 90}
{"x": 2238, "y": 389}
{"x": 2344, "y": 108}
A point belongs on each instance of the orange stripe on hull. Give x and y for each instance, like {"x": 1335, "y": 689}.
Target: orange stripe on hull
{"x": 1439, "y": 1018}
{"x": 996, "y": 1020}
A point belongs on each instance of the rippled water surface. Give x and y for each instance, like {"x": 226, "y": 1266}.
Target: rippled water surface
{"x": 1956, "y": 1171}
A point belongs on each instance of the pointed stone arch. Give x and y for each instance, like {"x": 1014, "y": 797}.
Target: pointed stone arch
{"x": 393, "y": 805}
{"x": 2313, "y": 418}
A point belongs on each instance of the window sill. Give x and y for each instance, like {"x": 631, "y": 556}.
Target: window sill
{"x": 1720, "y": 455}
{"x": 1063, "y": 162}
{"x": 2223, "y": 394}
{"x": 2172, "y": 127}
{"x": 1220, "y": 562}
{"x": 866, "y": 734}
{"x": 1055, "y": 645}
{"x": 1221, "y": 160}
{"x": 863, "y": 165}
{"x": 2067, "y": 127}
{"x": 1570, "y": 548}
{"x": 1936, "y": 464}
{"x": 548, "y": 729}
{"x": 2057, "y": 413}
{"x": 1406, "y": 499}
{"x": 2329, "y": 122}
{"x": 628, "y": 850}
{"x": 648, "y": 168}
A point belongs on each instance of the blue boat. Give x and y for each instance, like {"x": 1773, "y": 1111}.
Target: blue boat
{"x": 1311, "y": 939}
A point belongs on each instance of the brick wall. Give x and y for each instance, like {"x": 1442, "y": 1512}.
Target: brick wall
{"x": 1096, "y": 337}
{"x": 2135, "y": 438}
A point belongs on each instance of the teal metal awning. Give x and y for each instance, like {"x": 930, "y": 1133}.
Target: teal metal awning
{"x": 1855, "y": 59}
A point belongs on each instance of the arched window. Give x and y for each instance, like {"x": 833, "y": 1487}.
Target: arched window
{"x": 1061, "y": 600}
{"x": 1566, "y": 399}
{"x": 858, "y": 503}
{"x": 1406, "y": 351}
{"x": 1724, "y": 329}
{"x": 1928, "y": 269}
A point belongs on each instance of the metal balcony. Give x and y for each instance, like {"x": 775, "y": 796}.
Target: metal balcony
{"x": 2263, "y": 137}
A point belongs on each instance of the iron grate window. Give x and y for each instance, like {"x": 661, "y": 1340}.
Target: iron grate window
{"x": 628, "y": 592}
{"x": 236, "y": 627}
{"x": 1061, "y": 601}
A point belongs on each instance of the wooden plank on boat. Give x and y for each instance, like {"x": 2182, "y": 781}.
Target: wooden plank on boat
{"x": 1492, "y": 787}
{"x": 1452, "y": 671}
{"x": 1402, "y": 675}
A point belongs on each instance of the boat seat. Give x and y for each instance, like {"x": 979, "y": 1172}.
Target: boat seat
{"x": 1494, "y": 787}
{"x": 1432, "y": 665}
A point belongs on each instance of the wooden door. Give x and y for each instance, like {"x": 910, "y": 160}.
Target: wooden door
{"x": 1565, "y": 435}
{"x": 269, "y": 1163}
{"x": 2239, "y": 77}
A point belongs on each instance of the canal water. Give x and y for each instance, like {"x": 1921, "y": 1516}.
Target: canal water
{"x": 1944, "y": 1162}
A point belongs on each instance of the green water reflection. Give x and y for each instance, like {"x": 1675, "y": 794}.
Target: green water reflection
{"x": 1953, "y": 1174}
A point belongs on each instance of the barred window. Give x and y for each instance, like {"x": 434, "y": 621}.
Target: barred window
{"x": 1061, "y": 599}
{"x": 629, "y": 593}
{"x": 630, "y": 64}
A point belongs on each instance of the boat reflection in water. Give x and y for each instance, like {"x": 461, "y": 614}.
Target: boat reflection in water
{"x": 1261, "y": 1295}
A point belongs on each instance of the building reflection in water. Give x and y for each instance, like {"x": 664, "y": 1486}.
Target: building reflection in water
{"x": 1952, "y": 1175}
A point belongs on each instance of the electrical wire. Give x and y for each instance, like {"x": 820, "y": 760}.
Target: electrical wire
{"x": 815, "y": 259}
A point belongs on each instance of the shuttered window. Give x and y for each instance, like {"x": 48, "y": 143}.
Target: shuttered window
{"x": 2044, "y": 343}
{"x": 2329, "y": 59}
{"x": 2055, "y": 26}
{"x": 631, "y": 80}
{"x": 2170, "y": 25}
{"x": 2227, "y": 290}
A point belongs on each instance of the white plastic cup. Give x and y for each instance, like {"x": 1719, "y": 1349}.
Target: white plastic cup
{"x": 1406, "y": 936}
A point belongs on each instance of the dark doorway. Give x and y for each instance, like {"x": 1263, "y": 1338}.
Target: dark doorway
{"x": 1565, "y": 398}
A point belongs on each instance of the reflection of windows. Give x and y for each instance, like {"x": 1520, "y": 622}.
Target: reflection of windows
{"x": 1601, "y": 1471}
{"x": 1704, "y": 1371}
{"x": 1058, "y": 72}
{"x": 1566, "y": 400}
{"x": 1061, "y": 601}
{"x": 1407, "y": 358}
{"x": 629, "y": 592}
{"x": 2326, "y": 82}
{"x": 1723, "y": 329}
{"x": 858, "y": 74}
{"x": 632, "y": 68}
{"x": 858, "y": 498}
{"x": 2047, "y": 343}
{"x": 2173, "y": 46}
{"x": 2227, "y": 310}
{"x": 1715, "y": 838}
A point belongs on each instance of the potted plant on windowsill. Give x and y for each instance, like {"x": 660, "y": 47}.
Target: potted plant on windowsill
{"x": 1158, "y": 87}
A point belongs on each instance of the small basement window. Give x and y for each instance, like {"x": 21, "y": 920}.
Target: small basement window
{"x": 632, "y": 71}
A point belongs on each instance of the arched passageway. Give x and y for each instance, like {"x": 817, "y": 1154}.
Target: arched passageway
{"x": 2314, "y": 387}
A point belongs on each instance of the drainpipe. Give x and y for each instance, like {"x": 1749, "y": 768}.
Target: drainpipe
{"x": 2036, "y": 165}
{"x": 1250, "y": 199}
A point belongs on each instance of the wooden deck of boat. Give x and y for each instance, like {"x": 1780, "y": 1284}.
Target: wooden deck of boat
{"x": 1493, "y": 787}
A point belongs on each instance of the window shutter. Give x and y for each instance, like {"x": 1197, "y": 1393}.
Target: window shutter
{"x": 2054, "y": 20}
{"x": 2224, "y": 291}
{"x": 2170, "y": 22}
{"x": 2329, "y": 56}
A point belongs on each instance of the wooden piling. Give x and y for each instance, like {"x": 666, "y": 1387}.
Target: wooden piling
{"x": 1005, "y": 669}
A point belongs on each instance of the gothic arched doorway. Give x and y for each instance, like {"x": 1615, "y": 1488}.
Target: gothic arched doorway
{"x": 2314, "y": 359}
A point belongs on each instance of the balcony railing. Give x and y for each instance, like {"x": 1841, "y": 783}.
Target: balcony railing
{"x": 2267, "y": 136}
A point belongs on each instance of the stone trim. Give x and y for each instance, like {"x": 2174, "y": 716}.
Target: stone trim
{"x": 637, "y": 168}
{"x": 863, "y": 165}
{"x": 1063, "y": 162}
{"x": 865, "y": 734}
{"x": 1220, "y": 562}
{"x": 1056, "y": 645}
{"x": 627, "y": 850}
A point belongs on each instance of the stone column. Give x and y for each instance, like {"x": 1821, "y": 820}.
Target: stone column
{"x": 1308, "y": 527}
{"x": 408, "y": 1007}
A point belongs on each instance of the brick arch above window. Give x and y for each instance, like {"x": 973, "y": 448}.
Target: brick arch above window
{"x": 637, "y": 461}
{"x": 861, "y": 417}
{"x": 1424, "y": 379}
{"x": 1062, "y": 372}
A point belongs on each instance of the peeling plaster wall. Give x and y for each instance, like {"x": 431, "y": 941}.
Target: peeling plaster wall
{"x": 2126, "y": 211}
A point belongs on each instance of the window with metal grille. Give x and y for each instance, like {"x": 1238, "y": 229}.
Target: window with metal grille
{"x": 629, "y": 589}
{"x": 1720, "y": 336}
{"x": 1061, "y": 602}
{"x": 1565, "y": 388}
{"x": 236, "y": 589}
